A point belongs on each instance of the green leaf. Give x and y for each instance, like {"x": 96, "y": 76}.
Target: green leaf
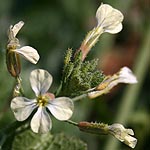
{"x": 31, "y": 141}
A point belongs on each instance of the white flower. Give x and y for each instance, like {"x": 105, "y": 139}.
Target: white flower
{"x": 109, "y": 19}
{"x": 125, "y": 75}
{"x": 27, "y": 52}
{"x": 122, "y": 134}
{"x": 61, "y": 108}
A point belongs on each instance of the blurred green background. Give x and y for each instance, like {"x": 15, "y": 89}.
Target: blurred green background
{"x": 52, "y": 26}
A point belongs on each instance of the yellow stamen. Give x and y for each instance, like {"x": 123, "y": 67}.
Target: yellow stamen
{"x": 42, "y": 100}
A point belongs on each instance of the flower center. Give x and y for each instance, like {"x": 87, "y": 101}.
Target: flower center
{"x": 42, "y": 100}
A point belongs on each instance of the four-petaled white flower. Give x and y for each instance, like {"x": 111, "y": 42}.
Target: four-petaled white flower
{"x": 109, "y": 19}
{"x": 27, "y": 52}
{"x": 122, "y": 134}
{"x": 61, "y": 108}
{"x": 125, "y": 75}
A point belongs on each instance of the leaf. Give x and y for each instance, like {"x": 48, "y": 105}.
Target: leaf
{"x": 31, "y": 141}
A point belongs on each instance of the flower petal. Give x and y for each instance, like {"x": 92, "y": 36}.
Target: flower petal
{"x": 40, "y": 81}
{"x": 61, "y": 108}
{"x": 28, "y": 53}
{"x": 122, "y": 134}
{"x": 130, "y": 141}
{"x": 114, "y": 30}
{"x": 126, "y": 76}
{"x": 41, "y": 122}
{"x": 109, "y": 18}
{"x": 16, "y": 28}
{"x": 22, "y": 107}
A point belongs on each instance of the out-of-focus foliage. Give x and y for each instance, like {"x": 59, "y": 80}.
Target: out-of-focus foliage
{"x": 29, "y": 140}
{"x": 53, "y": 26}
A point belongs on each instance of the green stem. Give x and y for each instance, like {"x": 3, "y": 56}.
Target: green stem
{"x": 19, "y": 80}
{"x": 72, "y": 122}
{"x": 79, "y": 97}
{"x": 58, "y": 90}
{"x": 131, "y": 94}
{"x": 18, "y": 90}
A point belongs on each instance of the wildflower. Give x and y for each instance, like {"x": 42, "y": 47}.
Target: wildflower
{"x": 125, "y": 75}
{"x": 108, "y": 20}
{"x": 122, "y": 134}
{"x": 61, "y": 108}
{"x": 13, "y": 51}
{"x": 117, "y": 130}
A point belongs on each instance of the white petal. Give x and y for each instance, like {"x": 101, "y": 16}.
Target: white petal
{"x": 123, "y": 134}
{"x": 109, "y": 18}
{"x": 102, "y": 12}
{"x": 130, "y": 141}
{"x": 16, "y": 28}
{"x": 61, "y": 108}
{"x": 130, "y": 131}
{"x": 114, "y": 30}
{"x": 126, "y": 76}
{"x": 41, "y": 122}
{"x": 28, "y": 53}
{"x": 22, "y": 107}
{"x": 40, "y": 81}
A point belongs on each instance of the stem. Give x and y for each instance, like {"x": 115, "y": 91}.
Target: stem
{"x": 79, "y": 97}
{"x": 18, "y": 90}
{"x": 59, "y": 89}
{"x": 72, "y": 122}
{"x": 19, "y": 80}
